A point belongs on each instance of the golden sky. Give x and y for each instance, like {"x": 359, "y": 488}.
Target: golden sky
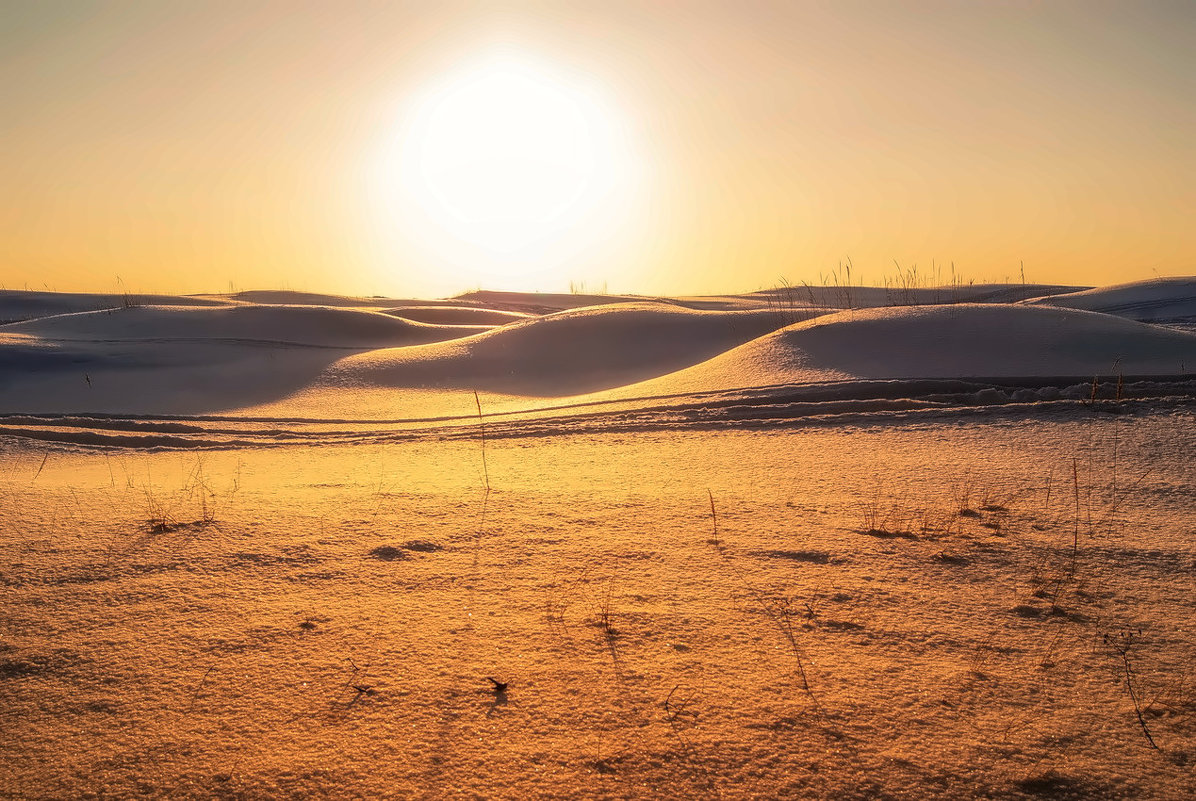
{"x": 198, "y": 147}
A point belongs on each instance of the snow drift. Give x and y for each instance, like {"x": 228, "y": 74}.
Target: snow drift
{"x": 955, "y": 341}
{"x": 567, "y": 353}
{"x": 20, "y": 305}
{"x": 1161, "y": 300}
{"x": 317, "y": 326}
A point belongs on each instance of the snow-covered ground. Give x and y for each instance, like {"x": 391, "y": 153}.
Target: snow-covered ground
{"x": 264, "y": 545}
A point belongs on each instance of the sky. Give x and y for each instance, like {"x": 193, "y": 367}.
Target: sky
{"x": 714, "y": 146}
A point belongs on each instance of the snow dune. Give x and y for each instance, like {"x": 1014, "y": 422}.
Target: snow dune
{"x": 567, "y": 353}
{"x": 18, "y": 305}
{"x": 456, "y": 315}
{"x": 540, "y": 302}
{"x": 286, "y": 297}
{"x": 297, "y": 325}
{"x": 1161, "y": 300}
{"x": 871, "y": 297}
{"x": 187, "y": 359}
{"x": 955, "y": 341}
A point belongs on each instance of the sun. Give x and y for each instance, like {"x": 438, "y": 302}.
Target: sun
{"x": 509, "y": 165}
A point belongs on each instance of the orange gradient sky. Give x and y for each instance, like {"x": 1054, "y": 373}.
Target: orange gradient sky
{"x": 203, "y": 147}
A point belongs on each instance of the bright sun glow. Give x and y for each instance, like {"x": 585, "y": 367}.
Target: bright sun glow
{"x": 510, "y": 169}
